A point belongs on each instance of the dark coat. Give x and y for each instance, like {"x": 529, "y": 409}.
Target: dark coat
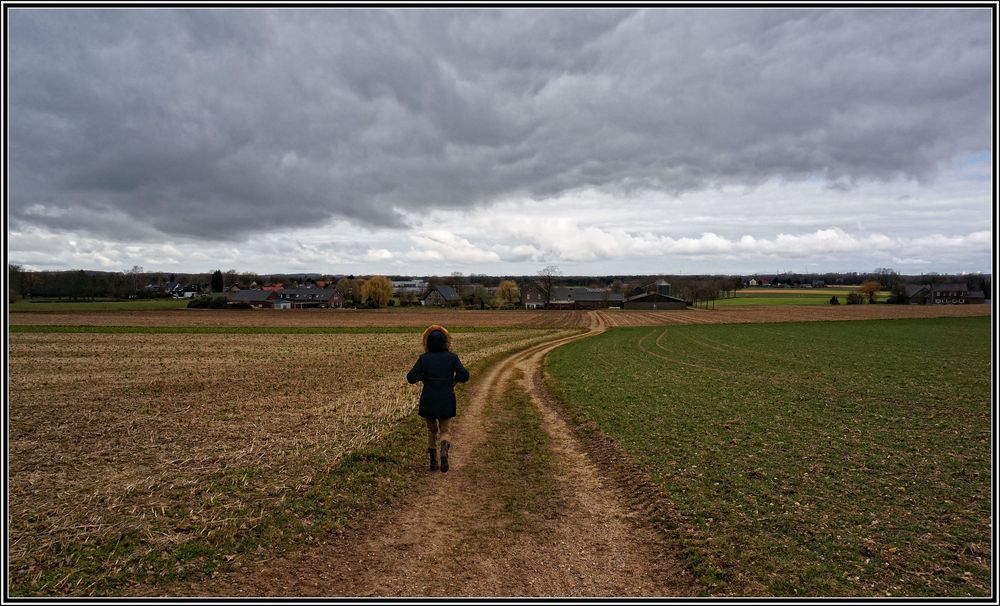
{"x": 439, "y": 369}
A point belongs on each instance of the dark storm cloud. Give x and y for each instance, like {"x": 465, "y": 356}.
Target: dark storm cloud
{"x": 217, "y": 124}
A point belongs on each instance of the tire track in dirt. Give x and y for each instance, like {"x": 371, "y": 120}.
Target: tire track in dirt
{"x": 593, "y": 545}
{"x": 606, "y": 540}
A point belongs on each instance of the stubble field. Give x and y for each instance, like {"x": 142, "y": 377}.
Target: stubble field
{"x": 133, "y": 454}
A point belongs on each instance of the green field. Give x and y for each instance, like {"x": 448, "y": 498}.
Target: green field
{"x": 793, "y": 296}
{"x": 833, "y": 459}
{"x": 66, "y": 305}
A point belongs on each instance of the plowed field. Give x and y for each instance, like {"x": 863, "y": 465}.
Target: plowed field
{"x": 513, "y": 319}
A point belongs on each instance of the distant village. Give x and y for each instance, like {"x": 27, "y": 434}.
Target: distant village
{"x": 527, "y": 295}
{"x": 533, "y": 295}
{"x": 547, "y": 290}
{"x": 530, "y": 293}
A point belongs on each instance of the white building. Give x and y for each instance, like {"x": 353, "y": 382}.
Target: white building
{"x": 416, "y": 287}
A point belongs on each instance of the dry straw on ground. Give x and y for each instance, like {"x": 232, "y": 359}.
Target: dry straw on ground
{"x": 164, "y": 438}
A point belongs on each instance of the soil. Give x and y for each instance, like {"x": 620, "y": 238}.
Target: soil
{"x": 451, "y": 538}
{"x": 420, "y": 317}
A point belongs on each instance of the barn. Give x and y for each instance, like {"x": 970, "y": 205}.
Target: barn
{"x": 532, "y": 295}
{"x": 654, "y": 300}
{"x": 255, "y": 298}
{"x": 441, "y": 295}
{"x": 304, "y": 298}
{"x": 578, "y": 297}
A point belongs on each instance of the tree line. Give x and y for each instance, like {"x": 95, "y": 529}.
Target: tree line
{"x": 139, "y": 283}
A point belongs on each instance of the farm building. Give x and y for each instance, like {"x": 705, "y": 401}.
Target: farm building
{"x": 942, "y": 294}
{"x": 917, "y": 294}
{"x": 261, "y": 299}
{"x": 948, "y": 294}
{"x": 760, "y": 281}
{"x": 654, "y": 300}
{"x": 579, "y": 297}
{"x": 661, "y": 287}
{"x": 409, "y": 286}
{"x": 185, "y": 292}
{"x": 976, "y": 296}
{"x": 441, "y": 295}
{"x": 303, "y": 298}
{"x": 532, "y": 295}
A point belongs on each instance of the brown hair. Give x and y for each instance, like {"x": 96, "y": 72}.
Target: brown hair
{"x": 432, "y": 328}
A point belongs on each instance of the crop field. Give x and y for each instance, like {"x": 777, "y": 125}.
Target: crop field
{"x": 134, "y": 456}
{"x": 43, "y": 305}
{"x": 793, "y": 296}
{"x": 806, "y": 459}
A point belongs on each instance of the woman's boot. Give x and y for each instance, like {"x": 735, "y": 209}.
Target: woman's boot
{"x": 434, "y": 458}
{"x": 445, "y": 445}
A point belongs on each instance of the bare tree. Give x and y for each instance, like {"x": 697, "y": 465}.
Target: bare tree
{"x": 457, "y": 281}
{"x": 136, "y": 274}
{"x": 548, "y": 275}
{"x": 887, "y": 277}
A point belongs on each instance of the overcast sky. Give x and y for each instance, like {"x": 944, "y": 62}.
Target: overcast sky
{"x": 500, "y": 141}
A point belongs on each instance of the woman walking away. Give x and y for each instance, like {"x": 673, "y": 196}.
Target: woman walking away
{"x": 439, "y": 369}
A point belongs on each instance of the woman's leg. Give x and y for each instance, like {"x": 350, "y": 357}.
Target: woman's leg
{"x": 443, "y": 434}
{"x": 432, "y": 432}
{"x": 445, "y": 442}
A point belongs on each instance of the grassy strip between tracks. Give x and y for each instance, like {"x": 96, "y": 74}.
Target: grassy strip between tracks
{"x": 517, "y": 471}
{"x": 816, "y": 459}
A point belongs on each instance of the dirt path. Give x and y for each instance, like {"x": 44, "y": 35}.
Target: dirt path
{"x": 454, "y": 539}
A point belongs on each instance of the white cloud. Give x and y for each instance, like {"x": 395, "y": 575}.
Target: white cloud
{"x": 595, "y": 231}
{"x": 440, "y": 245}
{"x": 377, "y": 255}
